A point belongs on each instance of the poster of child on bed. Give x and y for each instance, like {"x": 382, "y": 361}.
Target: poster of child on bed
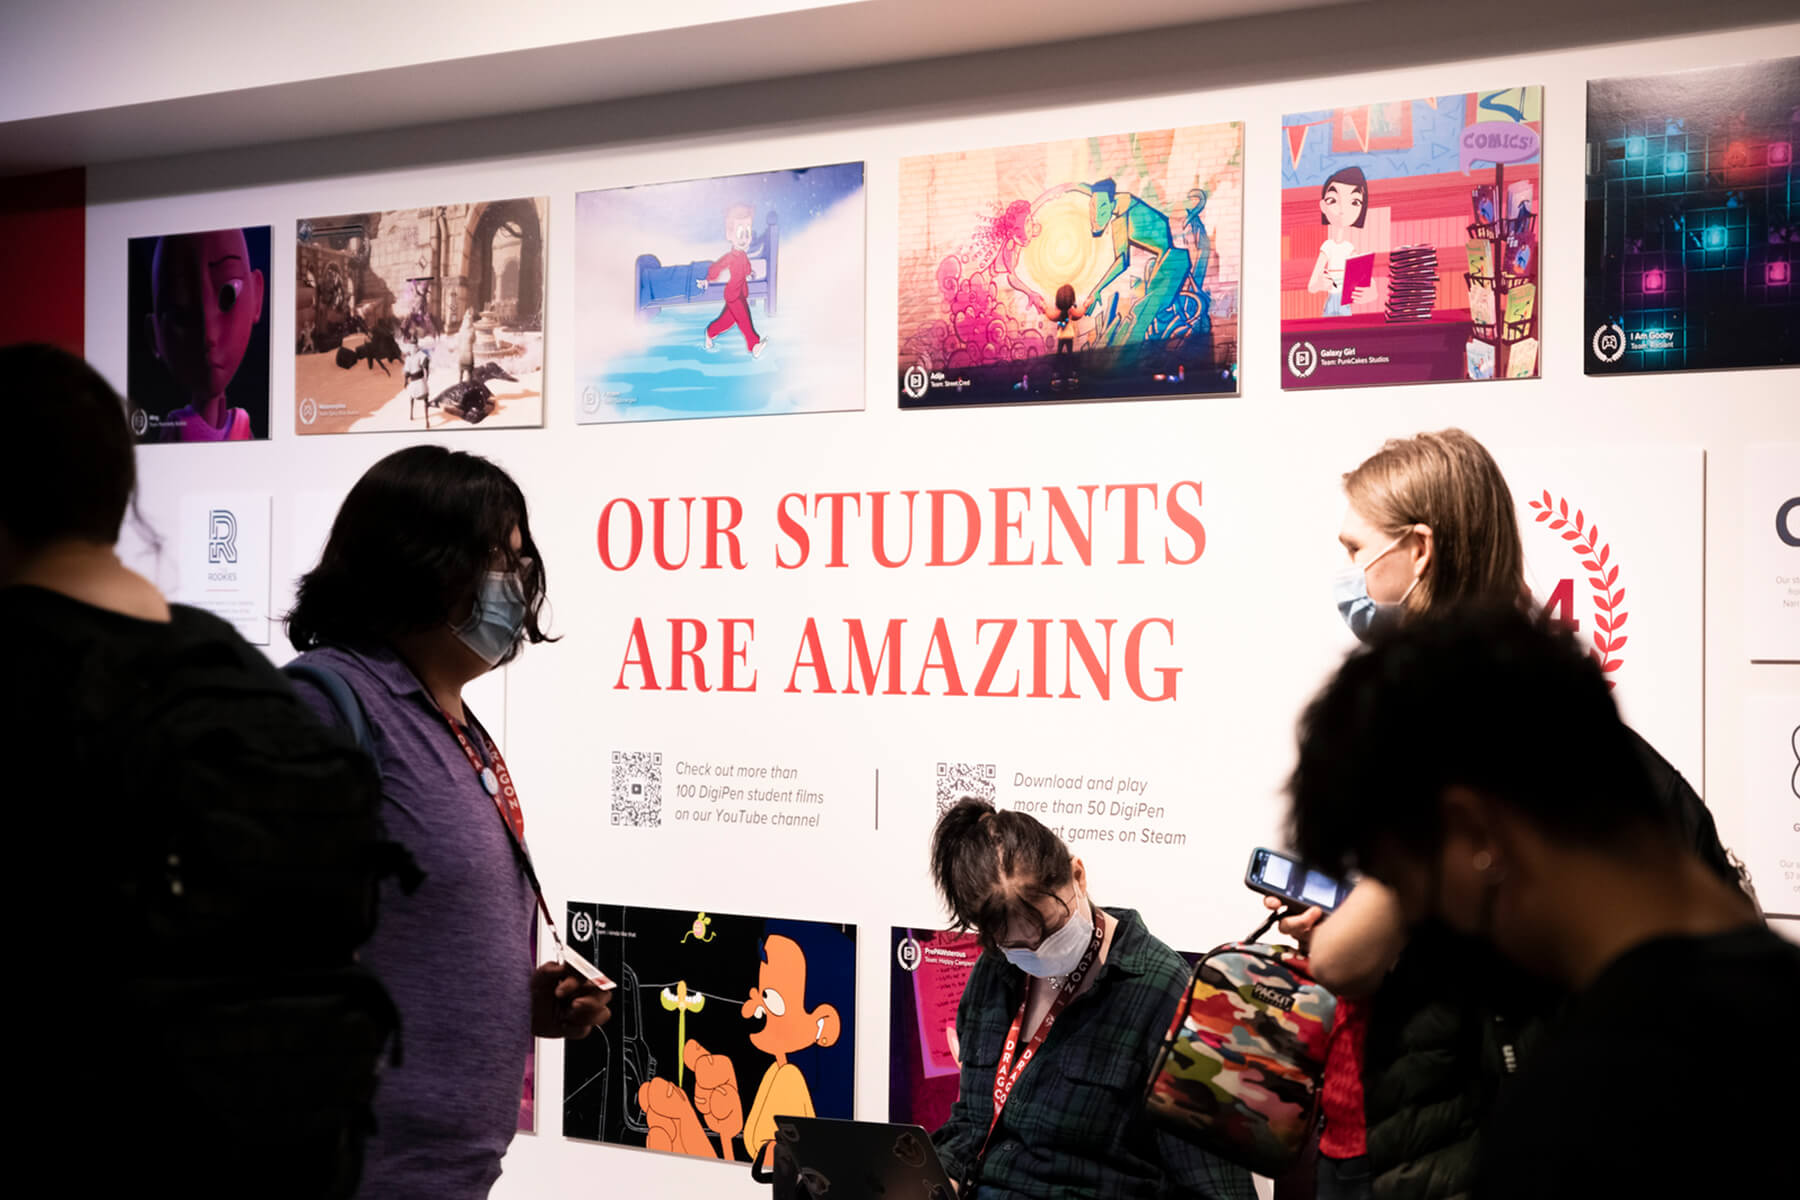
{"x": 734, "y": 296}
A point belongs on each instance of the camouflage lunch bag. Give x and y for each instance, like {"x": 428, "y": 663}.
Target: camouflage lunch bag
{"x": 1240, "y": 1069}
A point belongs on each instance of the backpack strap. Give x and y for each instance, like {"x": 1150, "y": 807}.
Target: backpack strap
{"x": 349, "y": 707}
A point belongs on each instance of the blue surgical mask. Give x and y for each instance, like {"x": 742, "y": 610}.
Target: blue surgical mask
{"x": 1061, "y": 952}
{"x": 493, "y": 628}
{"x": 1361, "y": 612}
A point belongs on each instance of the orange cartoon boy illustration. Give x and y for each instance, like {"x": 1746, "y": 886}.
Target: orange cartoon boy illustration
{"x": 779, "y": 1001}
{"x": 733, "y": 269}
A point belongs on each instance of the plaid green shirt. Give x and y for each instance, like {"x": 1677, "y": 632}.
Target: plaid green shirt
{"x": 1074, "y": 1124}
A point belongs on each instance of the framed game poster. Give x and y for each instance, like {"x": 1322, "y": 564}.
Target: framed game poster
{"x": 1087, "y": 269}
{"x": 421, "y": 318}
{"x": 710, "y": 1004}
{"x": 1409, "y": 240}
{"x": 1693, "y": 220}
{"x": 197, "y": 340}
{"x": 733, "y": 296}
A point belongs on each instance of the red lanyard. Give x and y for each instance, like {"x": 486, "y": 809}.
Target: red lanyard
{"x": 497, "y": 782}
{"x": 1006, "y": 1074}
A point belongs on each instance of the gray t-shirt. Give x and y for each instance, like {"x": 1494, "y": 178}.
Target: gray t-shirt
{"x": 455, "y": 954}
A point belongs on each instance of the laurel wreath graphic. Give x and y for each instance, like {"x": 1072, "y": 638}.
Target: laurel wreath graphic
{"x": 1585, "y": 541}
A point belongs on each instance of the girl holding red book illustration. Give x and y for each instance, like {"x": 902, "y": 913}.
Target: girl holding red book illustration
{"x": 1343, "y": 205}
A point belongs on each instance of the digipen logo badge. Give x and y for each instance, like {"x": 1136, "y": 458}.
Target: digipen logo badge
{"x": 1609, "y": 343}
{"x": 309, "y": 411}
{"x": 221, "y": 538}
{"x": 582, "y": 927}
{"x": 1303, "y": 359}
{"x": 915, "y": 381}
{"x": 1787, "y": 522}
{"x": 909, "y": 952}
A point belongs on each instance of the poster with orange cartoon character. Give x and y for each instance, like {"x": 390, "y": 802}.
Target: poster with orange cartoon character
{"x": 724, "y": 1022}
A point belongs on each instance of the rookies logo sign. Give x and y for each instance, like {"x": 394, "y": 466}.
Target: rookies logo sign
{"x": 909, "y": 953}
{"x": 221, "y": 542}
{"x": 1609, "y": 343}
{"x": 1595, "y": 556}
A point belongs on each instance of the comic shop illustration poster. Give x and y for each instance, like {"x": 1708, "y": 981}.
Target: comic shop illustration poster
{"x": 710, "y": 1006}
{"x": 1087, "y": 269}
{"x": 725, "y": 297}
{"x": 421, "y": 318}
{"x": 1410, "y": 235}
{"x": 197, "y": 345}
{"x": 1693, "y": 220}
{"x": 928, "y": 969}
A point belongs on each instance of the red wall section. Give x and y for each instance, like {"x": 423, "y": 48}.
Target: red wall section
{"x": 43, "y": 269}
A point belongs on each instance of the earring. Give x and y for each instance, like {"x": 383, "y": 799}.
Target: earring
{"x": 1482, "y": 860}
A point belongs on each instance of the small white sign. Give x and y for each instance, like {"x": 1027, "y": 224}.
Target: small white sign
{"x": 224, "y": 556}
{"x": 1772, "y": 553}
{"x": 1772, "y": 781}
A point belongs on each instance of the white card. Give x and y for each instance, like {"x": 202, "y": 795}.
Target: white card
{"x": 1772, "y": 784}
{"x": 223, "y": 551}
{"x": 1772, "y": 552}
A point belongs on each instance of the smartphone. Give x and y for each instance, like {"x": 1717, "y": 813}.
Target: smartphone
{"x": 1276, "y": 874}
{"x": 586, "y": 970}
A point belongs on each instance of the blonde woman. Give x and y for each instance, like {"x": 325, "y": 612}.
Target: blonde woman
{"x": 1432, "y": 1022}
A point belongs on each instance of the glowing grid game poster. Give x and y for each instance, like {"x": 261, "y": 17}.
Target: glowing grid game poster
{"x": 1693, "y": 220}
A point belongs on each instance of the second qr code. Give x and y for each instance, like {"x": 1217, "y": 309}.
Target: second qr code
{"x": 957, "y": 780}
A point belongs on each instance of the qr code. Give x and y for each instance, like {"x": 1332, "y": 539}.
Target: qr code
{"x": 957, "y": 780}
{"x": 637, "y": 788}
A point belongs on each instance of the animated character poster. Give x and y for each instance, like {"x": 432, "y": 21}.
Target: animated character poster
{"x": 720, "y": 1024}
{"x": 198, "y": 341}
{"x": 732, "y": 296}
{"x": 421, "y": 318}
{"x": 1087, "y": 269}
{"x": 1693, "y": 220}
{"x": 1410, "y": 235}
{"x": 928, "y": 970}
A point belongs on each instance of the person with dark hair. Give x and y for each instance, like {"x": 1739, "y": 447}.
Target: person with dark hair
{"x": 1427, "y": 1021}
{"x": 430, "y": 578}
{"x": 1425, "y": 764}
{"x": 1343, "y": 206}
{"x": 183, "y": 811}
{"x": 1057, "y": 1027}
{"x": 1065, "y": 314}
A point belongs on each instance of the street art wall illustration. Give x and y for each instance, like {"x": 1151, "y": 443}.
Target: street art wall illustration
{"x": 1693, "y": 220}
{"x": 421, "y": 318}
{"x": 1091, "y": 268}
{"x": 720, "y": 1024}
{"x": 732, "y": 296}
{"x": 198, "y": 341}
{"x": 1409, "y": 240}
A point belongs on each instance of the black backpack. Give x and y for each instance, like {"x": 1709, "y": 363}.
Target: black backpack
{"x": 257, "y": 837}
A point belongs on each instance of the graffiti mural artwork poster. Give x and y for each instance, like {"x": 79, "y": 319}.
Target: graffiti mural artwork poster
{"x": 733, "y": 296}
{"x": 720, "y": 1023}
{"x": 1693, "y": 220}
{"x": 1087, "y": 269}
{"x": 421, "y": 318}
{"x": 1410, "y": 236}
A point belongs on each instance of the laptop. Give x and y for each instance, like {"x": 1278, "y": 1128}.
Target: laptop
{"x": 862, "y": 1160}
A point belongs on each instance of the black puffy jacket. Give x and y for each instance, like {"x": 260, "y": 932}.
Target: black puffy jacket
{"x": 1453, "y": 1020}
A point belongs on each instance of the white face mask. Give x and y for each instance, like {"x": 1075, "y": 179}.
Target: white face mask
{"x": 1061, "y": 952}
{"x": 1361, "y": 612}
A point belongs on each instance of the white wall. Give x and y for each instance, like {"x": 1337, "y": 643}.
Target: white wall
{"x": 1256, "y": 625}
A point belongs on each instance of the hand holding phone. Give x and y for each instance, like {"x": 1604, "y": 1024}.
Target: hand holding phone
{"x": 1273, "y": 873}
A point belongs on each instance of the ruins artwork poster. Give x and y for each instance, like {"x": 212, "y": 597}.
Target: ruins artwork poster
{"x": 421, "y": 318}
{"x": 1092, "y": 268}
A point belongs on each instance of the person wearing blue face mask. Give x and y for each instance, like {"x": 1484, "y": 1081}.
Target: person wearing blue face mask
{"x": 1057, "y": 1027}
{"x": 430, "y": 579}
{"x": 1430, "y": 1025}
